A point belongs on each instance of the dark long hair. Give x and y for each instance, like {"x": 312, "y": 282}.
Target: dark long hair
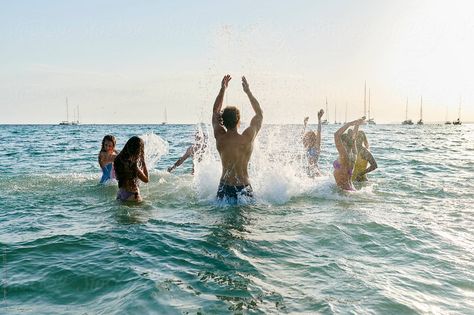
{"x": 127, "y": 161}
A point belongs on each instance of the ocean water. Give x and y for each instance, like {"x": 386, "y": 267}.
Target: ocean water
{"x": 402, "y": 244}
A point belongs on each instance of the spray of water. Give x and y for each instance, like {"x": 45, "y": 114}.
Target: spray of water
{"x": 277, "y": 169}
{"x": 155, "y": 148}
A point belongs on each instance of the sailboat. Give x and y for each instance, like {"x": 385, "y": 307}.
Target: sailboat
{"x": 447, "y": 122}
{"x": 420, "y": 122}
{"x": 165, "y": 121}
{"x": 370, "y": 121}
{"x": 335, "y": 114}
{"x": 458, "y": 121}
{"x": 66, "y": 122}
{"x": 407, "y": 121}
{"x": 345, "y": 117}
{"x": 76, "y": 121}
{"x": 326, "y": 120}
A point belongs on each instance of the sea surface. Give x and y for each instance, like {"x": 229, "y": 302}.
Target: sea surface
{"x": 402, "y": 244}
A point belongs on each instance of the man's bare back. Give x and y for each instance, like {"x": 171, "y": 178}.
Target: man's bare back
{"x": 234, "y": 149}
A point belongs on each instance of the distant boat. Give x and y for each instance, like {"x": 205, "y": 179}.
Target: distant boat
{"x": 458, "y": 121}
{"x": 447, "y": 122}
{"x": 407, "y": 121}
{"x": 326, "y": 120}
{"x": 75, "y": 121}
{"x": 345, "y": 117}
{"x": 370, "y": 121}
{"x": 335, "y": 115}
{"x": 66, "y": 122}
{"x": 420, "y": 122}
{"x": 165, "y": 115}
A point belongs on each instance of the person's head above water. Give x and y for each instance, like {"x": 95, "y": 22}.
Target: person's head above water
{"x": 134, "y": 148}
{"x": 361, "y": 139}
{"x": 310, "y": 139}
{"x": 108, "y": 143}
{"x": 230, "y": 117}
{"x": 348, "y": 140}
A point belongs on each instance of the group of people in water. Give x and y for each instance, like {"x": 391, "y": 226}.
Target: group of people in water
{"x": 128, "y": 166}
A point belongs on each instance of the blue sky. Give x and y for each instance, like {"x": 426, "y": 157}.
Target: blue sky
{"x": 125, "y": 61}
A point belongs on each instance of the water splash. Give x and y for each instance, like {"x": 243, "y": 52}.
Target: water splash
{"x": 155, "y": 148}
{"x": 277, "y": 170}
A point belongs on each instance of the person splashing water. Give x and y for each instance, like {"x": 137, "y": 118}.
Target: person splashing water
{"x": 345, "y": 145}
{"x": 130, "y": 167}
{"x": 106, "y": 158}
{"x": 234, "y": 149}
{"x": 312, "y": 146}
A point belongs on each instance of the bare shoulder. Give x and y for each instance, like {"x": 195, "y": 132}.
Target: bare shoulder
{"x": 250, "y": 133}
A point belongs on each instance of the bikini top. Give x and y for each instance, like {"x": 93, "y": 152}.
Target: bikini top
{"x": 337, "y": 166}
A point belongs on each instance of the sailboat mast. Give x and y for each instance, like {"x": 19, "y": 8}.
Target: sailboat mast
{"x": 327, "y": 110}
{"x": 345, "y": 119}
{"x": 335, "y": 114}
{"x": 459, "y": 110}
{"x": 365, "y": 96}
{"x": 369, "y": 105}
{"x": 406, "y": 110}
{"x": 67, "y": 110}
{"x": 421, "y": 109}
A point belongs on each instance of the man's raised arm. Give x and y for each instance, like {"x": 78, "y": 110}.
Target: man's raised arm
{"x": 216, "y": 111}
{"x": 256, "y": 122}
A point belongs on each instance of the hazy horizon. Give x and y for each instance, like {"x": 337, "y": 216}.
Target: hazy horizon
{"x": 125, "y": 62}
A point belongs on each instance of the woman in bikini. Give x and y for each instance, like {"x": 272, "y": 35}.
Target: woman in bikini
{"x": 364, "y": 157}
{"x": 312, "y": 146}
{"x": 345, "y": 145}
{"x": 129, "y": 168}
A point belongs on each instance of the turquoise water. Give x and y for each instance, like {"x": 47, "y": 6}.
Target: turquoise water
{"x": 402, "y": 244}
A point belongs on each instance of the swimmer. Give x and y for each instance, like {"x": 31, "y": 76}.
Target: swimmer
{"x": 364, "y": 157}
{"x": 130, "y": 167}
{"x": 106, "y": 158}
{"x": 344, "y": 165}
{"x": 195, "y": 150}
{"x": 312, "y": 146}
{"x": 234, "y": 149}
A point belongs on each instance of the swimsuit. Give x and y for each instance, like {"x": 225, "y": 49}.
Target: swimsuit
{"x": 124, "y": 195}
{"x": 108, "y": 173}
{"x": 359, "y": 167}
{"x": 312, "y": 153}
{"x": 233, "y": 192}
{"x": 337, "y": 166}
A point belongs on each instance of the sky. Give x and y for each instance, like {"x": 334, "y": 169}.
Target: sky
{"x": 127, "y": 61}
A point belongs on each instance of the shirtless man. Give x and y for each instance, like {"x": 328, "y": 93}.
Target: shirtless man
{"x": 234, "y": 149}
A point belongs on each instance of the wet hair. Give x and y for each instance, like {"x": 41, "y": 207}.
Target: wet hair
{"x": 347, "y": 141}
{"x": 230, "y": 117}
{"x": 126, "y": 166}
{"x": 107, "y": 138}
{"x": 309, "y": 139}
{"x": 360, "y": 138}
